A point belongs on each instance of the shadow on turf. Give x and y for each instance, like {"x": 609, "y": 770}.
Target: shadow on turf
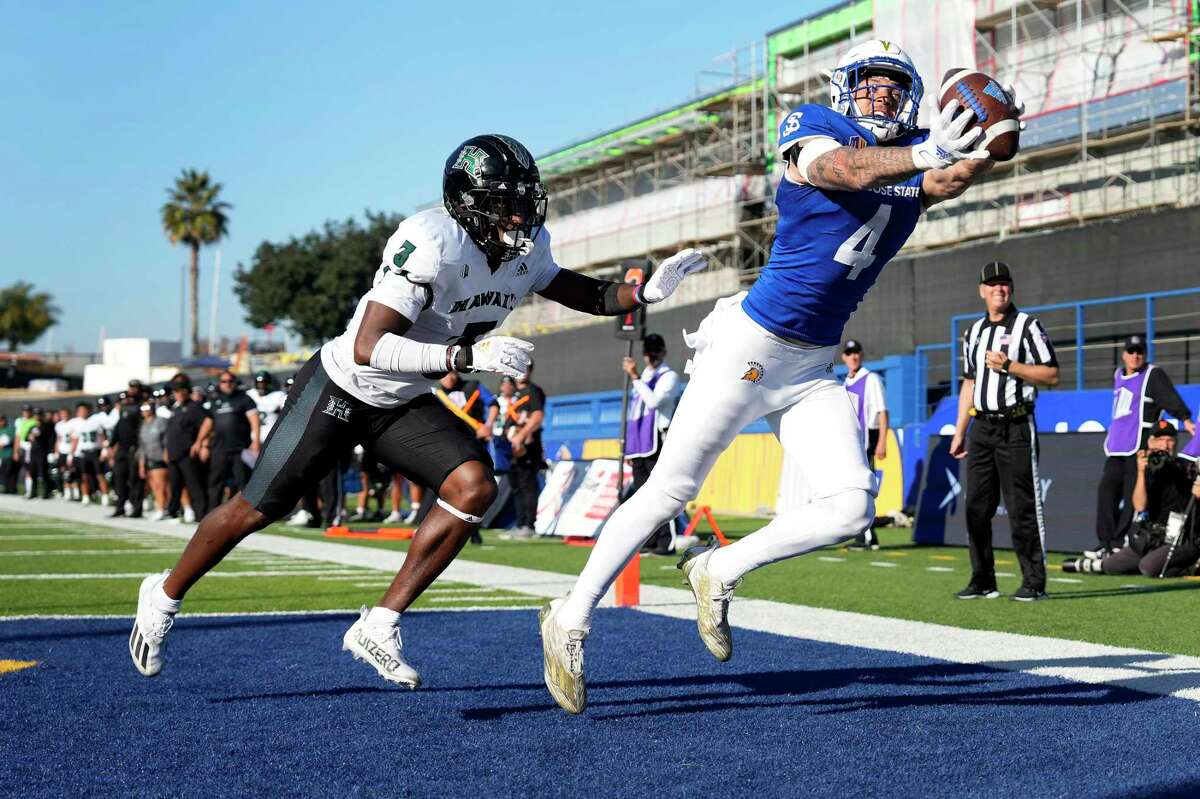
{"x": 1123, "y": 592}
{"x": 946, "y": 684}
{"x": 105, "y": 628}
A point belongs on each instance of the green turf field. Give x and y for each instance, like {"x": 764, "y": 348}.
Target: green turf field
{"x": 58, "y": 567}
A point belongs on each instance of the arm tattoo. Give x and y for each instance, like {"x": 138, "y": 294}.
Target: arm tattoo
{"x": 850, "y": 169}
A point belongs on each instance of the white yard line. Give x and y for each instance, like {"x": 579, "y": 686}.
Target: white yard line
{"x": 1078, "y": 661}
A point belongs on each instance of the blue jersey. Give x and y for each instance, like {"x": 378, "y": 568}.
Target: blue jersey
{"x": 830, "y": 245}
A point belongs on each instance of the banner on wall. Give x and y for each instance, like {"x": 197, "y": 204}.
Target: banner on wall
{"x": 579, "y": 496}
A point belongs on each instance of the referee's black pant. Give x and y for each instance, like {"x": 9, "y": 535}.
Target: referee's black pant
{"x": 1116, "y": 486}
{"x": 130, "y": 487}
{"x": 1002, "y": 461}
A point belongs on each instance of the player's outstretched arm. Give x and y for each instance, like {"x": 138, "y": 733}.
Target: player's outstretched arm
{"x": 380, "y": 343}
{"x": 607, "y": 298}
{"x": 851, "y": 169}
{"x": 948, "y": 183}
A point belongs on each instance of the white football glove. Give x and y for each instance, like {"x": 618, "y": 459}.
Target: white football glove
{"x": 1018, "y": 105}
{"x": 670, "y": 274}
{"x": 947, "y": 143}
{"x": 502, "y": 354}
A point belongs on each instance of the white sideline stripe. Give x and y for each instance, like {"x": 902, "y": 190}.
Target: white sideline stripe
{"x": 252, "y": 613}
{"x": 938, "y": 569}
{"x": 1005, "y": 574}
{"x": 1076, "y": 661}
{"x": 829, "y": 559}
{"x": 1063, "y": 580}
{"x": 33, "y": 553}
{"x": 141, "y": 574}
{"x": 884, "y": 564}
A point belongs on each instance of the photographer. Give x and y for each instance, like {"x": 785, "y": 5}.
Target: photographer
{"x": 1164, "y": 494}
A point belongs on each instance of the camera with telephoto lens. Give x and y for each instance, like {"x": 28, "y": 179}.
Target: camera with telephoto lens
{"x": 1156, "y": 459}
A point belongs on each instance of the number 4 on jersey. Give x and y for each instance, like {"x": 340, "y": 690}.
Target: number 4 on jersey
{"x": 849, "y": 253}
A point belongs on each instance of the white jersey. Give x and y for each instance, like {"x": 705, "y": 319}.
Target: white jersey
{"x": 435, "y": 276}
{"x": 108, "y": 420}
{"x": 62, "y": 430}
{"x": 88, "y": 431}
{"x": 269, "y": 405}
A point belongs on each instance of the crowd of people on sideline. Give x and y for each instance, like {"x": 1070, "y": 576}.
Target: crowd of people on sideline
{"x": 176, "y": 451}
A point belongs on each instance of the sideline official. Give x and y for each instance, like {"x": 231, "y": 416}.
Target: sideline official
{"x": 653, "y": 394}
{"x": 1006, "y": 357}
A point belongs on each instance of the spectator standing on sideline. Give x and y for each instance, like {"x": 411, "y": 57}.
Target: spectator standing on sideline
{"x": 528, "y": 411}
{"x": 653, "y": 394}
{"x": 126, "y": 474}
{"x": 1141, "y": 392}
{"x": 234, "y": 428}
{"x": 152, "y": 457}
{"x": 41, "y": 444}
{"x": 68, "y": 482}
{"x": 87, "y": 440}
{"x": 8, "y": 472}
{"x": 870, "y": 407}
{"x": 1006, "y": 356}
{"x": 184, "y": 466}
{"x": 269, "y": 401}
{"x": 24, "y": 424}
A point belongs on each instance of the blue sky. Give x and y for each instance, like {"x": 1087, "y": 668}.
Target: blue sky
{"x": 305, "y": 111}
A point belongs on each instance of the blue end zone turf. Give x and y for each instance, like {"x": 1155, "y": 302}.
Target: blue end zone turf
{"x": 271, "y": 706}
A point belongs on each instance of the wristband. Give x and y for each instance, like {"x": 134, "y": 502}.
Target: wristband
{"x": 1007, "y": 363}
{"x": 637, "y": 294}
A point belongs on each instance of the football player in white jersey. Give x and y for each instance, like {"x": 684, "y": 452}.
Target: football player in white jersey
{"x": 448, "y": 276}
{"x": 88, "y": 439}
{"x": 269, "y": 401}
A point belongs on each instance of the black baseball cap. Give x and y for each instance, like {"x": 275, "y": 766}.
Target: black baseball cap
{"x": 1163, "y": 428}
{"x": 995, "y": 272}
{"x": 851, "y": 345}
{"x": 653, "y": 343}
{"x": 1136, "y": 343}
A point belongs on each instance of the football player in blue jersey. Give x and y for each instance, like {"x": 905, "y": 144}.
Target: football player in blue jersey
{"x": 857, "y": 177}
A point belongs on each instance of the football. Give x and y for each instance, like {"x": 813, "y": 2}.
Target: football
{"x": 993, "y": 109}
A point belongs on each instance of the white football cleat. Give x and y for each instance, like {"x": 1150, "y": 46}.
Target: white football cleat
{"x": 189, "y": 516}
{"x": 712, "y": 601}
{"x": 380, "y": 647}
{"x": 562, "y": 660}
{"x": 393, "y": 518}
{"x": 150, "y": 627}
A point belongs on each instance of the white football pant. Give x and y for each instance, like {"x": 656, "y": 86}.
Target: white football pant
{"x": 741, "y": 372}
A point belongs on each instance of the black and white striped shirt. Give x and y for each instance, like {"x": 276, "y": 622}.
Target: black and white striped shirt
{"x": 1023, "y": 339}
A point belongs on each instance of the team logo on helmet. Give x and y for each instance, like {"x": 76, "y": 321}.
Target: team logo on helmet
{"x": 755, "y": 372}
{"x": 470, "y": 160}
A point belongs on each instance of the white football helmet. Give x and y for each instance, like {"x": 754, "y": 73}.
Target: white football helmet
{"x": 856, "y": 65}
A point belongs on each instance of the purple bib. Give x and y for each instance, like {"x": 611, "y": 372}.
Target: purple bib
{"x": 1129, "y": 395}
{"x": 641, "y": 431}
{"x": 1192, "y": 450}
{"x": 858, "y": 395}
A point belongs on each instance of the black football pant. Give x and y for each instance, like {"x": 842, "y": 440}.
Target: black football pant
{"x": 225, "y": 465}
{"x": 187, "y": 472}
{"x": 524, "y": 479}
{"x": 39, "y": 473}
{"x": 1002, "y": 462}
{"x": 130, "y": 487}
{"x": 1116, "y": 485}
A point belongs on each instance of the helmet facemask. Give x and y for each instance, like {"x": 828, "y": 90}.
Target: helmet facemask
{"x": 488, "y": 214}
{"x": 850, "y": 82}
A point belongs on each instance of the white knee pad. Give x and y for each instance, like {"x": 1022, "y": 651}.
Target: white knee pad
{"x": 653, "y": 500}
{"x": 853, "y": 511}
{"x": 453, "y": 511}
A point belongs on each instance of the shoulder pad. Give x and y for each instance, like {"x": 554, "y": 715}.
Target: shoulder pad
{"x": 417, "y": 249}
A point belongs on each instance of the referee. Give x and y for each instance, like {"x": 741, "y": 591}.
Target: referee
{"x": 1006, "y": 357}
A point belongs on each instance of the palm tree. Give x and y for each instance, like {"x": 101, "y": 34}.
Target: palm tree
{"x": 24, "y": 314}
{"x": 195, "y": 217}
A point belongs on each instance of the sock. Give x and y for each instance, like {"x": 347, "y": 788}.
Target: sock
{"x": 818, "y": 524}
{"x": 620, "y": 539}
{"x": 160, "y": 600}
{"x": 382, "y": 617}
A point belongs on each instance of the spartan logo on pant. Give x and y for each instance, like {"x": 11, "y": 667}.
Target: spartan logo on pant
{"x": 754, "y": 372}
{"x": 338, "y": 408}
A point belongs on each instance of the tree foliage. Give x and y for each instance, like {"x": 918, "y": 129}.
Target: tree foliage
{"x": 193, "y": 215}
{"x": 313, "y": 283}
{"x": 25, "y": 314}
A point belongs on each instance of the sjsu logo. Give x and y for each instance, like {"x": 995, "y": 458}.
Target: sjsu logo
{"x": 755, "y": 372}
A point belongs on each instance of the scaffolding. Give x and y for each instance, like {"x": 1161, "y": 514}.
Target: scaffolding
{"x": 1112, "y": 89}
